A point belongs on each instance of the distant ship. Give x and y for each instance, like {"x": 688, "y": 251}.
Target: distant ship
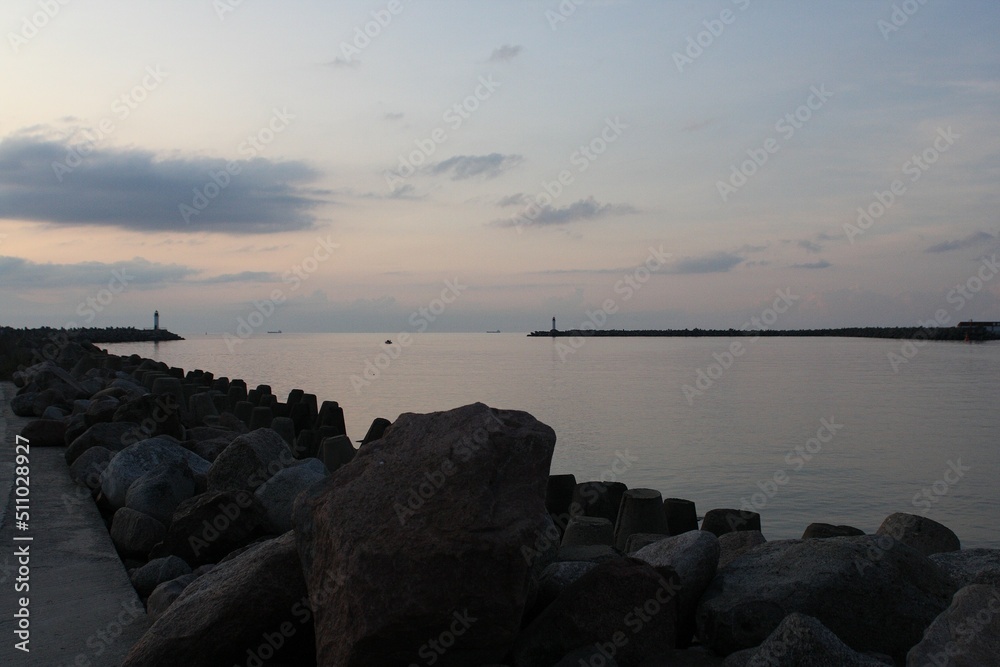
{"x": 497, "y": 331}
{"x": 278, "y": 331}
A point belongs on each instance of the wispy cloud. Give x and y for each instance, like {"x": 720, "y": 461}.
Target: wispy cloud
{"x": 340, "y": 62}
{"x": 821, "y": 264}
{"x": 505, "y": 53}
{"x": 242, "y": 277}
{"x": 970, "y": 241}
{"x": 719, "y": 262}
{"x": 17, "y": 272}
{"x": 584, "y": 209}
{"x": 461, "y": 167}
{"x": 138, "y": 190}
{"x": 393, "y": 115}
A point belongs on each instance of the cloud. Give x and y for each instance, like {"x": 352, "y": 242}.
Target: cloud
{"x": 821, "y": 264}
{"x": 135, "y": 189}
{"x": 17, "y": 272}
{"x": 970, "y": 241}
{"x": 518, "y": 199}
{"x": 548, "y": 215}
{"x": 719, "y": 262}
{"x": 462, "y": 167}
{"x": 242, "y": 277}
{"x": 393, "y": 115}
{"x": 505, "y": 53}
{"x": 811, "y": 246}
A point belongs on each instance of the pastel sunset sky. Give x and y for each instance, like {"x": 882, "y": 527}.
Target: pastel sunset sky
{"x": 345, "y": 159}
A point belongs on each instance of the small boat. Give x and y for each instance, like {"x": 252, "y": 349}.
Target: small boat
{"x": 388, "y": 342}
{"x": 278, "y": 331}
{"x": 497, "y": 331}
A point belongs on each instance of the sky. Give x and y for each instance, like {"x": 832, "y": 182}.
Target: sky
{"x": 412, "y": 165}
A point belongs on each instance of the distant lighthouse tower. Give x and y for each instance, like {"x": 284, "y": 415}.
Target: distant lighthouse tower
{"x": 156, "y": 320}
{"x": 553, "y": 332}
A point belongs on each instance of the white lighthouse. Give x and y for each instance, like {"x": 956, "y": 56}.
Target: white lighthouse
{"x": 156, "y": 320}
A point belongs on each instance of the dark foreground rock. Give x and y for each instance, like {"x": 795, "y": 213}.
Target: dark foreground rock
{"x": 970, "y": 566}
{"x": 225, "y": 617}
{"x": 624, "y": 609}
{"x": 966, "y": 633}
{"x": 875, "y": 593}
{"x": 802, "y": 640}
{"x": 421, "y": 536}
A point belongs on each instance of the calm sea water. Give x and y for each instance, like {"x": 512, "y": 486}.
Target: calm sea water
{"x": 849, "y": 438}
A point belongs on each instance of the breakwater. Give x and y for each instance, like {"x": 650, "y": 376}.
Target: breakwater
{"x": 256, "y": 536}
{"x": 971, "y": 333}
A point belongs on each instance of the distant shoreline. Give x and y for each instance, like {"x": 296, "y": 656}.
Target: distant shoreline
{"x": 99, "y": 334}
{"x": 919, "y": 333}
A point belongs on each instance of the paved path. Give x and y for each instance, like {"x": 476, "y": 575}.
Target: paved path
{"x": 83, "y": 611}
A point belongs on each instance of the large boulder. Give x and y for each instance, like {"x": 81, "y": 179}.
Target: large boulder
{"x": 115, "y": 437}
{"x": 208, "y": 526}
{"x": 159, "y": 491}
{"x": 970, "y": 566}
{"x": 226, "y": 616}
{"x": 89, "y": 466}
{"x": 134, "y": 533}
{"x": 136, "y": 460}
{"x": 158, "y": 415}
{"x": 802, "y": 641}
{"x": 735, "y": 544}
{"x": 925, "y": 535}
{"x": 277, "y": 495}
{"x": 249, "y": 461}
{"x": 145, "y": 579}
{"x": 101, "y": 410}
{"x": 966, "y": 633}
{"x": 423, "y": 531}
{"x": 625, "y": 607}
{"x": 694, "y": 555}
{"x": 875, "y": 593}
{"x": 45, "y": 432}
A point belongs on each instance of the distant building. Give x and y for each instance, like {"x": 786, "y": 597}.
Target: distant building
{"x": 156, "y": 320}
{"x": 992, "y": 327}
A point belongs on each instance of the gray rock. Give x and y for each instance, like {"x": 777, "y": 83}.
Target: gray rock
{"x": 223, "y": 616}
{"x": 823, "y": 530}
{"x": 925, "y": 535}
{"x": 100, "y": 411}
{"x": 637, "y": 541}
{"x": 722, "y": 521}
{"x": 431, "y": 508}
{"x": 23, "y": 405}
{"x": 146, "y": 578}
{"x": 802, "y": 641}
{"x": 249, "y": 461}
{"x": 159, "y": 491}
{"x": 970, "y": 566}
{"x": 87, "y": 469}
{"x": 54, "y": 412}
{"x": 734, "y": 545}
{"x": 45, "y": 433}
{"x": 694, "y": 555}
{"x": 556, "y": 577}
{"x": 136, "y": 460}
{"x": 625, "y": 606}
{"x": 277, "y": 495}
{"x": 135, "y": 533}
{"x": 166, "y": 594}
{"x": 873, "y": 592}
{"x": 967, "y": 633}
{"x": 210, "y": 525}
{"x": 115, "y": 437}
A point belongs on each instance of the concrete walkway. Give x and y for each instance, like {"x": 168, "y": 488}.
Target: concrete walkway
{"x": 83, "y": 610}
